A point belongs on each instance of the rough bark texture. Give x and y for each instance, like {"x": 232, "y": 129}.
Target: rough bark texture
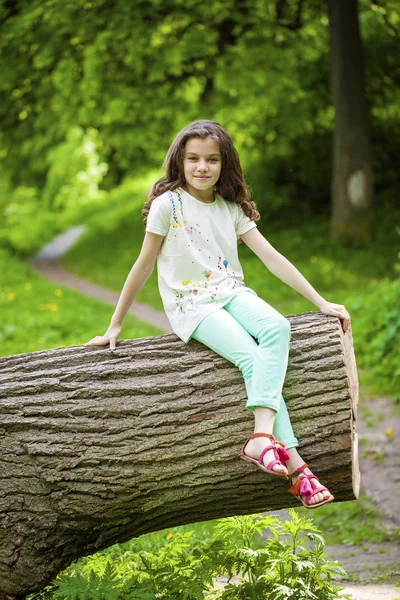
{"x": 98, "y": 447}
{"x": 352, "y": 185}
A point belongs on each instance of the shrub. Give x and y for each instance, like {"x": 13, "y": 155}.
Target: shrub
{"x": 378, "y": 337}
{"x": 262, "y": 557}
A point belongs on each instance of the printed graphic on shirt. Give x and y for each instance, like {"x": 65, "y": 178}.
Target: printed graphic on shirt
{"x": 193, "y": 229}
{"x": 178, "y": 220}
{"x": 193, "y": 287}
{"x": 177, "y": 211}
{"x": 235, "y": 278}
{"x": 184, "y": 302}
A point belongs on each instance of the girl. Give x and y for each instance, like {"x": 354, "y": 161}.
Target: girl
{"x": 195, "y": 216}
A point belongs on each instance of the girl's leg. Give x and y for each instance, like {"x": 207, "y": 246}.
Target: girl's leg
{"x": 269, "y": 362}
{"x": 272, "y": 332}
{"x": 223, "y": 334}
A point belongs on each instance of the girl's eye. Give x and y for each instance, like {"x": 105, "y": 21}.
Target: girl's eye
{"x": 211, "y": 159}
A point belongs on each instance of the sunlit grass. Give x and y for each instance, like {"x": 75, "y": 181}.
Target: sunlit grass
{"x": 39, "y": 315}
{"x": 352, "y": 523}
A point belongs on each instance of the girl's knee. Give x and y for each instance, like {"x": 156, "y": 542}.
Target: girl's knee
{"x": 246, "y": 366}
{"x": 280, "y": 325}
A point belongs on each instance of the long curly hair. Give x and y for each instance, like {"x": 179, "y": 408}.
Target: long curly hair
{"x": 231, "y": 184}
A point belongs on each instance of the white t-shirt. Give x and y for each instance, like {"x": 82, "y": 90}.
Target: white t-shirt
{"x": 198, "y": 265}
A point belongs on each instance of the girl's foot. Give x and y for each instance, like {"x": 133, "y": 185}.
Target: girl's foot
{"x": 307, "y": 487}
{"x": 255, "y": 447}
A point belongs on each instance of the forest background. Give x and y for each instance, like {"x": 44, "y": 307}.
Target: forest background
{"x": 93, "y": 92}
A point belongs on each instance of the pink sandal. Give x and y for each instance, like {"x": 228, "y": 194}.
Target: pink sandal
{"x": 304, "y": 486}
{"x": 279, "y": 451}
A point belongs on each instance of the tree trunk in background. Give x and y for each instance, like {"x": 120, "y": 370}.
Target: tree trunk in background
{"x": 352, "y": 184}
{"x": 100, "y": 447}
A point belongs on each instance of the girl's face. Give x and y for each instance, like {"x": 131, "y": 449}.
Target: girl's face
{"x": 202, "y": 163}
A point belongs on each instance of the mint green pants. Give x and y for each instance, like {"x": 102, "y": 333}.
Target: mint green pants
{"x": 256, "y": 338}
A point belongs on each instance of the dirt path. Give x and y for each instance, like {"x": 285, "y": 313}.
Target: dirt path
{"x": 46, "y": 263}
{"x": 380, "y": 454}
{"x": 379, "y": 451}
{"x": 380, "y": 479}
{"x": 381, "y": 591}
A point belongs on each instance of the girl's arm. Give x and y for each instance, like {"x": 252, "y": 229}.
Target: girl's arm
{"x": 286, "y": 272}
{"x": 139, "y": 274}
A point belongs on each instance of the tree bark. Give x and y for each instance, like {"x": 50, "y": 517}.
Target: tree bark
{"x": 99, "y": 447}
{"x": 352, "y": 183}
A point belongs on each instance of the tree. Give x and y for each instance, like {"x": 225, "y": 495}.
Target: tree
{"x": 352, "y": 186}
{"x": 100, "y": 447}
{"x": 136, "y": 72}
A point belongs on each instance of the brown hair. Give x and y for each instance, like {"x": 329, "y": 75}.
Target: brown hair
{"x": 231, "y": 184}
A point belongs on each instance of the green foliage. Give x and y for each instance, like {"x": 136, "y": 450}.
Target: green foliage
{"x": 75, "y": 172}
{"x": 378, "y": 336}
{"x": 379, "y": 21}
{"x": 261, "y": 556}
{"x": 128, "y": 76}
{"x": 30, "y": 217}
{"x": 24, "y": 223}
{"x": 121, "y": 207}
{"x": 290, "y": 563}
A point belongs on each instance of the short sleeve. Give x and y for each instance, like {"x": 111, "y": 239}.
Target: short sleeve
{"x": 159, "y": 217}
{"x": 243, "y": 222}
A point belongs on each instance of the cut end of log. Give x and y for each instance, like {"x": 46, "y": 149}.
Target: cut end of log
{"x": 356, "y": 478}
{"x": 351, "y": 368}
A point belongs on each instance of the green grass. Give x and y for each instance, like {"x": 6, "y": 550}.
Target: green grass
{"x": 352, "y": 523}
{"x": 39, "y": 315}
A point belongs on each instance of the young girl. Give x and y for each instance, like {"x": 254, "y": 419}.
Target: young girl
{"x": 195, "y": 217}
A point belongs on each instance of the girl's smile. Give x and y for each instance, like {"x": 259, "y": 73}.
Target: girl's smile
{"x": 202, "y": 167}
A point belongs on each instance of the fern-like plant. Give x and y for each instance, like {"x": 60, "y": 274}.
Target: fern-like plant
{"x": 250, "y": 557}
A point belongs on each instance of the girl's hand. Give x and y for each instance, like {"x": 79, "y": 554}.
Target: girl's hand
{"x": 110, "y": 336}
{"x": 337, "y": 310}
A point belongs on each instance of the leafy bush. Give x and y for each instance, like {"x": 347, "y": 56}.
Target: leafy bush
{"x": 25, "y": 224}
{"x": 378, "y": 337}
{"x": 30, "y": 217}
{"x": 262, "y": 557}
{"x": 75, "y": 172}
{"x": 289, "y": 564}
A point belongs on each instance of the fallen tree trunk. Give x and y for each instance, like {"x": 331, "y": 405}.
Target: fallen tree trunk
{"x": 99, "y": 447}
